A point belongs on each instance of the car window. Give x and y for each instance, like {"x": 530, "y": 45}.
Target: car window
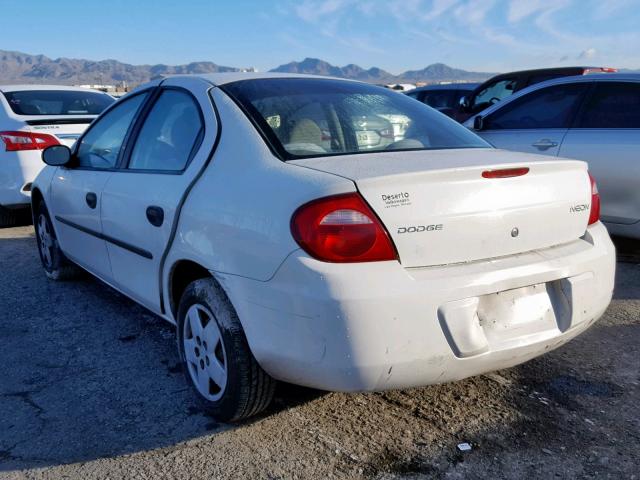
{"x": 100, "y": 147}
{"x": 494, "y": 92}
{"x": 550, "y": 107}
{"x": 439, "y": 99}
{"x": 169, "y": 134}
{"x": 319, "y": 117}
{"x": 58, "y": 102}
{"x": 612, "y": 105}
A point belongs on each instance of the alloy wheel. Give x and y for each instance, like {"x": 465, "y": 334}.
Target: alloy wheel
{"x": 45, "y": 240}
{"x": 204, "y": 352}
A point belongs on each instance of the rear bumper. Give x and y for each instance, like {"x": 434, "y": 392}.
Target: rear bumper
{"x": 380, "y": 326}
{"x": 17, "y": 171}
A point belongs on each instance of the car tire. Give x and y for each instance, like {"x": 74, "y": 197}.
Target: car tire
{"x": 216, "y": 357}
{"x": 8, "y": 218}
{"x": 56, "y": 265}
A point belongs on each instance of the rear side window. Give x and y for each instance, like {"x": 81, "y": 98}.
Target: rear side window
{"x": 57, "y": 102}
{"x": 440, "y": 99}
{"x": 551, "y": 107}
{"x": 169, "y": 134}
{"x": 101, "y": 145}
{"x": 612, "y": 105}
{"x": 307, "y": 117}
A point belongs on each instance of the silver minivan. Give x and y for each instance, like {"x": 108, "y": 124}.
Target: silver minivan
{"x": 594, "y": 118}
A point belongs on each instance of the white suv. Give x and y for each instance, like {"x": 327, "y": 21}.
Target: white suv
{"x": 32, "y": 117}
{"x": 281, "y": 254}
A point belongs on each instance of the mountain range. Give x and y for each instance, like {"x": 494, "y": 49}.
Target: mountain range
{"x": 18, "y": 67}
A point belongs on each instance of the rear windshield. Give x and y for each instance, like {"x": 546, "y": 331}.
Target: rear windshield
{"x": 318, "y": 117}
{"x": 57, "y": 102}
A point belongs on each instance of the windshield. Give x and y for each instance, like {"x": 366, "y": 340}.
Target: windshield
{"x": 58, "y": 102}
{"x": 306, "y": 117}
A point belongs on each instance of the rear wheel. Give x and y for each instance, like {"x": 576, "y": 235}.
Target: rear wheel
{"x": 8, "y": 218}
{"x": 217, "y": 360}
{"x": 56, "y": 265}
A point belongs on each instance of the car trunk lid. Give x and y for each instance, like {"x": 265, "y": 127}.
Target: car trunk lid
{"x": 440, "y": 209}
{"x": 66, "y": 129}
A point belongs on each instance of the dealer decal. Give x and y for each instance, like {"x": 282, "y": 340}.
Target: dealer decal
{"x": 396, "y": 199}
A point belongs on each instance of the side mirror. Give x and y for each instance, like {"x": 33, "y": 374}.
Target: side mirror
{"x": 464, "y": 103}
{"x": 478, "y": 123}
{"x": 56, "y": 155}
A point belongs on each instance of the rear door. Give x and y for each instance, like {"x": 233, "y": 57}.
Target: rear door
{"x": 536, "y": 122}
{"x": 607, "y": 136}
{"x": 141, "y": 201}
{"x": 76, "y": 193}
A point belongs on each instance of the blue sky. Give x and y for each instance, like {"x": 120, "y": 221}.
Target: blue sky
{"x": 396, "y": 35}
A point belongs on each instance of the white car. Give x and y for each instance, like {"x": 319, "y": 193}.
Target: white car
{"x": 338, "y": 267}
{"x": 595, "y": 118}
{"x": 32, "y": 117}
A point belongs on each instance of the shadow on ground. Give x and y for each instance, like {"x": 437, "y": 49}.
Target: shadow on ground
{"x": 87, "y": 373}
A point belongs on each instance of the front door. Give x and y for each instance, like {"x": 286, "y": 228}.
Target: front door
{"x": 76, "y": 192}
{"x": 141, "y": 201}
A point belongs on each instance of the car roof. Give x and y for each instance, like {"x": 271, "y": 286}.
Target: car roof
{"x": 446, "y": 86}
{"x": 541, "y": 71}
{"x": 22, "y": 88}
{"x": 230, "y": 77}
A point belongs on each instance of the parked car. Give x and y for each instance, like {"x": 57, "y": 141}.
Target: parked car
{"x": 342, "y": 267}
{"x": 595, "y": 119}
{"x": 444, "y": 98}
{"x": 32, "y": 117}
{"x": 502, "y": 86}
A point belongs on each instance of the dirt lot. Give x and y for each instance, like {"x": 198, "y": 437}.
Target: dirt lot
{"x": 90, "y": 388}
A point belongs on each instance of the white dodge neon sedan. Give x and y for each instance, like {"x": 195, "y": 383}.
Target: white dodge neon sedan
{"x": 256, "y": 213}
{"x": 32, "y": 117}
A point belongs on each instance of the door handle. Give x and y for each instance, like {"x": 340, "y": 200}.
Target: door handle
{"x": 155, "y": 215}
{"x": 91, "y": 199}
{"x": 544, "y": 144}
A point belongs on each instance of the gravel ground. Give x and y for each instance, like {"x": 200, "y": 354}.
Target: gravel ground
{"x": 90, "y": 388}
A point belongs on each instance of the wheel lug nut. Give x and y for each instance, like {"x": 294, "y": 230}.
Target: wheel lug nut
{"x": 202, "y": 364}
{"x": 207, "y": 361}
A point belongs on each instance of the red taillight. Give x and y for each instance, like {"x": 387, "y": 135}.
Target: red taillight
{"x": 599, "y": 70}
{"x": 505, "y": 173}
{"x": 341, "y": 229}
{"x": 594, "y": 214}
{"x": 16, "y": 141}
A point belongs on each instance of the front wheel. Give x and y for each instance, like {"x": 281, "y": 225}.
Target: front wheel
{"x": 56, "y": 265}
{"x": 217, "y": 360}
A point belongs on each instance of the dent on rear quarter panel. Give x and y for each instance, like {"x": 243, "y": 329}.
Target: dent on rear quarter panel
{"x": 236, "y": 218}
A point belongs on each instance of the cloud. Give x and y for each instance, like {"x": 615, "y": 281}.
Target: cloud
{"x": 519, "y": 9}
{"x": 473, "y": 13}
{"x": 438, "y": 8}
{"x": 312, "y": 10}
{"x": 587, "y": 54}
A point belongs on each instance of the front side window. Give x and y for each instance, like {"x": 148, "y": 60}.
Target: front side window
{"x": 57, "y": 102}
{"x": 169, "y": 134}
{"x": 550, "y": 107}
{"x": 101, "y": 145}
{"x": 493, "y": 93}
{"x": 613, "y": 105}
{"x": 320, "y": 117}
